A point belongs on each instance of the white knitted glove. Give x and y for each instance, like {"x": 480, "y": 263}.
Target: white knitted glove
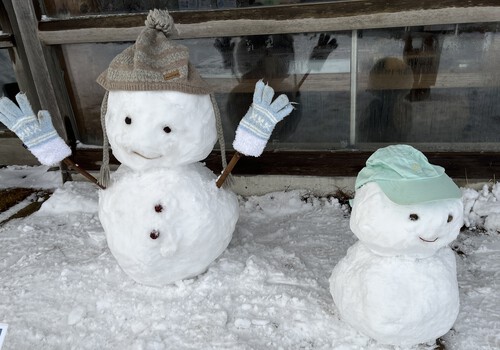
{"x": 37, "y": 133}
{"x": 256, "y": 127}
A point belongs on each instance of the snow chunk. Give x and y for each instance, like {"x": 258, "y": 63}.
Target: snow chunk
{"x": 30, "y": 177}
{"x": 76, "y": 315}
{"x": 72, "y": 197}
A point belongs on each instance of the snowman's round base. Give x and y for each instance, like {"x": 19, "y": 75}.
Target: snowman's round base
{"x": 396, "y": 300}
{"x": 165, "y": 225}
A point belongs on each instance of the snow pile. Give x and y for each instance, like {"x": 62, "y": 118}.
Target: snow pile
{"x": 73, "y": 197}
{"x": 482, "y": 208}
{"x": 29, "y": 177}
{"x": 62, "y": 288}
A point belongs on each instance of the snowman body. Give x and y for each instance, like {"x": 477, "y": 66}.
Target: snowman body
{"x": 165, "y": 219}
{"x": 398, "y": 283}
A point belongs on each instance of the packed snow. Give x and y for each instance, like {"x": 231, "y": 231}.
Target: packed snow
{"x": 165, "y": 225}
{"x": 398, "y": 283}
{"x": 62, "y": 288}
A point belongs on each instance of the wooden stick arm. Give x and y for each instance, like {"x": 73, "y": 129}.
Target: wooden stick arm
{"x": 76, "y": 167}
{"x": 228, "y": 169}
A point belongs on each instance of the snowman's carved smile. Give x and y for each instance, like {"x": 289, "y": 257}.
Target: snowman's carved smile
{"x": 143, "y": 156}
{"x": 427, "y": 240}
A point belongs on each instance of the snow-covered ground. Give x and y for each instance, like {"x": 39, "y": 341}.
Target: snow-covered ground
{"x": 61, "y": 288}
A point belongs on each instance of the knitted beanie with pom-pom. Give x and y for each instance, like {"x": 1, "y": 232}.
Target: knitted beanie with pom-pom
{"x": 154, "y": 62}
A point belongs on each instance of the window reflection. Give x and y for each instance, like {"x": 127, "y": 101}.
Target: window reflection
{"x": 438, "y": 86}
{"x": 384, "y": 119}
{"x": 286, "y": 62}
{"x": 268, "y": 57}
{"x": 431, "y": 85}
{"x": 299, "y": 65}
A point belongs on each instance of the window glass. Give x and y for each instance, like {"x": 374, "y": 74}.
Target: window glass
{"x": 436, "y": 85}
{"x": 312, "y": 69}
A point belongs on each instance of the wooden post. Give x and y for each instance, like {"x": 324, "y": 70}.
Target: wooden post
{"x": 38, "y": 61}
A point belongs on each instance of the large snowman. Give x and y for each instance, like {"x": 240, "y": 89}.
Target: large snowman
{"x": 398, "y": 283}
{"x": 164, "y": 216}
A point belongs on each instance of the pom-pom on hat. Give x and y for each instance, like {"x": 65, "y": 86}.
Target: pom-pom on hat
{"x": 154, "y": 62}
{"x": 406, "y": 177}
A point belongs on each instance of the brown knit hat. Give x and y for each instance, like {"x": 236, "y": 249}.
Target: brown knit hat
{"x": 154, "y": 62}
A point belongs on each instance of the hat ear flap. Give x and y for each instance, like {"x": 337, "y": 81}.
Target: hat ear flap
{"x": 220, "y": 131}
{"x": 104, "y": 171}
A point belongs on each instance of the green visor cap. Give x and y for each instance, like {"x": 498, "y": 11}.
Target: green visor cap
{"x": 406, "y": 177}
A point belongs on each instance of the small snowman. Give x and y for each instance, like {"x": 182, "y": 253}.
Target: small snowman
{"x": 398, "y": 283}
{"x": 164, "y": 217}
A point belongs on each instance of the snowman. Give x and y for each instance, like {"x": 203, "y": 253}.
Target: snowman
{"x": 164, "y": 217}
{"x": 398, "y": 283}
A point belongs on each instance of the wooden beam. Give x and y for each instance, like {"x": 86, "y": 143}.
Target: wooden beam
{"x": 458, "y": 165}
{"x": 38, "y": 59}
{"x": 18, "y": 56}
{"x": 297, "y": 18}
{"x": 6, "y": 40}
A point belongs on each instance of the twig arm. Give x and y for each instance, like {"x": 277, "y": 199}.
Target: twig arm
{"x": 228, "y": 169}
{"x": 76, "y": 167}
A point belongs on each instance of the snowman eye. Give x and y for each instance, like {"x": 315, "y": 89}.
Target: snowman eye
{"x": 128, "y": 120}
{"x": 167, "y": 130}
{"x": 154, "y": 234}
{"x": 413, "y": 217}
{"x": 450, "y": 218}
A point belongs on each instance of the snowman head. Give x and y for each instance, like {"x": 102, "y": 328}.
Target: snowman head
{"x": 160, "y": 128}
{"x": 404, "y": 205}
{"x": 157, "y": 110}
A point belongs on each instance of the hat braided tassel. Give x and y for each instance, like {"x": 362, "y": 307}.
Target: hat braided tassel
{"x": 104, "y": 171}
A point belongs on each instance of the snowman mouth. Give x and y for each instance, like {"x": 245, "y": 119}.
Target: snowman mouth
{"x": 143, "y": 156}
{"x": 428, "y": 240}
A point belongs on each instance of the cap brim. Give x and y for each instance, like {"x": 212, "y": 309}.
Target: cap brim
{"x": 406, "y": 192}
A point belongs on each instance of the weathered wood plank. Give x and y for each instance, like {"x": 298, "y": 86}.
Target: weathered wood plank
{"x": 6, "y": 40}
{"x": 298, "y": 18}
{"x": 42, "y": 72}
{"x": 12, "y": 152}
{"x": 458, "y": 165}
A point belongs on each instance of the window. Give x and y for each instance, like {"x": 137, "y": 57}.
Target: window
{"x": 433, "y": 86}
{"x": 396, "y": 72}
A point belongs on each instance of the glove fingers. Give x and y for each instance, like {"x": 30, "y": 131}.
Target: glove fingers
{"x": 284, "y": 112}
{"x": 280, "y": 102}
{"x": 24, "y": 104}
{"x": 45, "y": 120}
{"x": 267, "y": 95}
{"x": 259, "y": 89}
{"x": 9, "y": 111}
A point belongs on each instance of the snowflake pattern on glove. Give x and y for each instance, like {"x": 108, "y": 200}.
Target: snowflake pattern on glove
{"x": 256, "y": 127}
{"x": 35, "y": 131}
